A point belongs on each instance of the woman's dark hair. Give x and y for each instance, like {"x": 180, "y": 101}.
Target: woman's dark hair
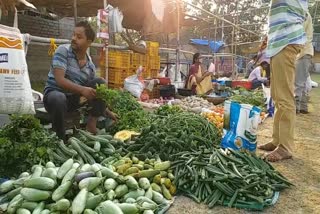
{"x": 267, "y": 68}
{"x": 195, "y": 57}
{"x": 90, "y": 34}
{"x": 264, "y": 63}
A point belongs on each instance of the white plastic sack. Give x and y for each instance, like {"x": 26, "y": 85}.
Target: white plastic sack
{"x": 15, "y": 88}
{"x": 134, "y": 85}
{"x": 115, "y": 17}
{"x": 314, "y": 84}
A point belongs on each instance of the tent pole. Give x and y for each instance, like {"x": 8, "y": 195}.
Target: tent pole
{"x": 105, "y": 4}
{"x": 178, "y": 42}
{"x": 75, "y": 11}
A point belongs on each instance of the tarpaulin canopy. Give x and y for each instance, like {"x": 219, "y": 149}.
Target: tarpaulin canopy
{"x": 148, "y": 16}
{"x": 215, "y": 46}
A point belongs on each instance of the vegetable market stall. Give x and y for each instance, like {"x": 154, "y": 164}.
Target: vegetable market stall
{"x": 171, "y": 153}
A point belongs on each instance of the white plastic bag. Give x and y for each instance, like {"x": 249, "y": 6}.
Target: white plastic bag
{"x": 15, "y": 88}
{"x": 133, "y": 84}
{"x": 212, "y": 68}
{"x": 115, "y": 17}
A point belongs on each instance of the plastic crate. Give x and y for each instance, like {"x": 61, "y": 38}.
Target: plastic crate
{"x": 164, "y": 80}
{"x": 115, "y": 86}
{"x": 137, "y": 60}
{"x": 146, "y": 74}
{"x": 153, "y": 62}
{"x": 132, "y": 71}
{"x": 143, "y": 60}
{"x": 117, "y": 75}
{"x": 154, "y": 73}
{"x": 152, "y": 48}
{"x": 155, "y": 93}
{"x": 119, "y": 59}
{"x": 241, "y": 83}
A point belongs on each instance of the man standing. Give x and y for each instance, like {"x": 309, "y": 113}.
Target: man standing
{"x": 286, "y": 36}
{"x": 303, "y": 66}
{"x": 72, "y": 75}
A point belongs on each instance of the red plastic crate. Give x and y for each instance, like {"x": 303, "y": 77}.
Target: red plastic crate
{"x": 164, "y": 81}
{"x": 241, "y": 83}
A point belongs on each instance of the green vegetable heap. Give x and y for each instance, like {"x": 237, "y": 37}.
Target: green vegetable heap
{"x": 175, "y": 133}
{"x": 227, "y": 178}
{"x": 131, "y": 114}
{"x": 23, "y": 143}
{"x": 254, "y": 98}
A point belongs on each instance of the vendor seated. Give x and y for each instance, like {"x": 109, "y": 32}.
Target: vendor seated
{"x": 72, "y": 76}
{"x": 198, "y": 81}
{"x": 260, "y": 75}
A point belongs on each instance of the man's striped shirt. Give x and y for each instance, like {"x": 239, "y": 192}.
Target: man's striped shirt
{"x": 65, "y": 59}
{"x": 286, "y": 20}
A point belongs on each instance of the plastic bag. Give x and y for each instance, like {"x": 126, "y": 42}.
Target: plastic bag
{"x": 115, "y": 17}
{"x": 241, "y": 123}
{"x": 15, "y": 88}
{"x": 269, "y": 102}
{"x": 135, "y": 84}
{"x": 212, "y": 68}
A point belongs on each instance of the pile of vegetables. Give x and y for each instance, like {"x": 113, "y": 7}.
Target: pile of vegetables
{"x": 226, "y": 177}
{"x": 89, "y": 189}
{"x": 254, "y": 98}
{"x": 215, "y": 118}
{"x": 23, "y": 143}
{"x": 173, "y": 134}
{"x": 193, "y": 104}
{"x": 159, "y": 101}
{"x": 166, "y": 110}
{"x": 131, "y": 114}
{"x": 87, "y": 148}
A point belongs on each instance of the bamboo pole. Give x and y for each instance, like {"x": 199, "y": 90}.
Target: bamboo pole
{"x": 220, "y": 18}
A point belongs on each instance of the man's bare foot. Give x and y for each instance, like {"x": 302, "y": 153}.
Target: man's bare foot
{"x": 267, "y": 147}
{"x": 278, "y": 154}
{"x": 92, "y": 130}
{"x": 92, "y": 125}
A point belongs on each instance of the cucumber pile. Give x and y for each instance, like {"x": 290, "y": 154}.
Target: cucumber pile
{"x": 87, "y": 148}
{"x": 122, "y": 185}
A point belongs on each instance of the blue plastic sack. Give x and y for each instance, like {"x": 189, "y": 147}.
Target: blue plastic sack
{"x": 241, "y": 125}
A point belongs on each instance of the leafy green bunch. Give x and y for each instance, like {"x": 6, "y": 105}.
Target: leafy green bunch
{"x": 23, "y": 143}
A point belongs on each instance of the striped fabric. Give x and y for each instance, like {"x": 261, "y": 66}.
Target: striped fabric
{"x": 286, "y": 20}
{"x": 65, "y": 59}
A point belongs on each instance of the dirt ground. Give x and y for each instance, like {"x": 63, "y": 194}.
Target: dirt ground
{"x": 303, "y": 170}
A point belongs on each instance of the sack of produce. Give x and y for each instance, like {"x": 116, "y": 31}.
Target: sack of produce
{"x": 15, "y": 89}
{"x": 241, "y": 123}
{"x": 134, "y": 84}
